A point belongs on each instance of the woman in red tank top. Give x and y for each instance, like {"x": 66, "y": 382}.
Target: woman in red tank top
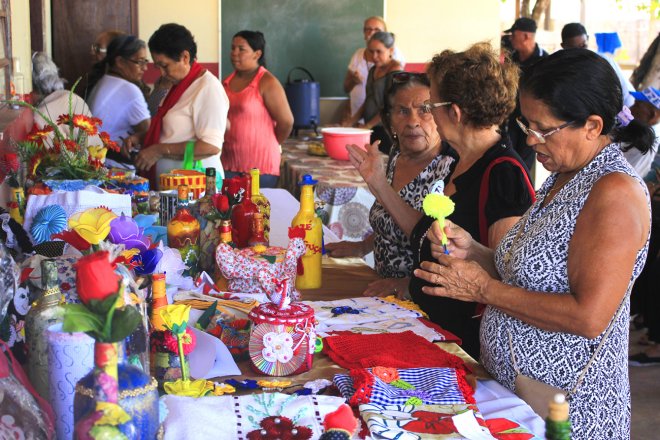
{"x": 259, "y": 115}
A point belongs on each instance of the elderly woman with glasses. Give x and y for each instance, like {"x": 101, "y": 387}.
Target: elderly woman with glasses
{"x": 115, "y": 97}
{"x": 557, "y": 287}
{"x": 415, "y": 164}
{"x": 472, "y": 94}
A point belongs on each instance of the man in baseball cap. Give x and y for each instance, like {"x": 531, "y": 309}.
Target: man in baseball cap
{"x": 523, "y": 40}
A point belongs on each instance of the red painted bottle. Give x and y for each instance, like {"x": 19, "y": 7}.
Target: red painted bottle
{"x": 242, "y": 213}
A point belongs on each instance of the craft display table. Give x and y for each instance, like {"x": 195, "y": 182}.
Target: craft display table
{"x": 345, "y": 278}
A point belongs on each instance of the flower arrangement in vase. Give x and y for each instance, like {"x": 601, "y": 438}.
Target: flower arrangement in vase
{"x": 69, "y": 148}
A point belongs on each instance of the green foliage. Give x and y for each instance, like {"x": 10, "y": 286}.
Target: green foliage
{"x": 102, "y": 320}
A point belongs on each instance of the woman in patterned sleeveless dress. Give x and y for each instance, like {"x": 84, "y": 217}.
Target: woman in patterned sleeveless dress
{"x": 557, "y": 287}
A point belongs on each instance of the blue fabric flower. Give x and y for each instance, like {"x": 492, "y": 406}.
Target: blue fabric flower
{"x": 148, "y": 261}
{"x": 49, "y": 220}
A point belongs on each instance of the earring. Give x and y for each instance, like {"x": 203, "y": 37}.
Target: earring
{"x": 394, "y": 135}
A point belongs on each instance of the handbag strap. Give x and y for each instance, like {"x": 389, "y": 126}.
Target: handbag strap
{"x": 583, "y": 373}
{"x": 485, "y": 188}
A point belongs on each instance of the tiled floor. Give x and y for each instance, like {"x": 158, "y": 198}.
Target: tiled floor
{"x": 645, "y": 391}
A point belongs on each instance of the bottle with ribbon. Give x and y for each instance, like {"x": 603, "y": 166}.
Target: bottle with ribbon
{"x": 309, "y": 275}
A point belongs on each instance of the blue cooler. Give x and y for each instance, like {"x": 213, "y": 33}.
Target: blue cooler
{"x": 304, "y": 96}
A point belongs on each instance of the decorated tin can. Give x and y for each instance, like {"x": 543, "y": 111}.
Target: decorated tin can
{"x": 282, "y": 341}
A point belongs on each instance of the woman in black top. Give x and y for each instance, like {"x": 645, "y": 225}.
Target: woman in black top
{"x": 471, "y": 96}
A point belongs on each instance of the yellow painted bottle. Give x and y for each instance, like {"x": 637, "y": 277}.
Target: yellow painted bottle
{"x": 260, "y": 200}
{"x": 308, "y": 220}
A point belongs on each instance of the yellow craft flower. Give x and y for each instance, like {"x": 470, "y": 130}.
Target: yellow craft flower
{"x": 97, "y": 152}
{"x": 175, "y": 317}
{"x": 222, "y": 388}
{"x": 189, "y": 388}
{"x": 93, "y": 224}
{"x": 274, "y": 383}
{"x": 437, "y": 206}
{"x": 113, "y": 414}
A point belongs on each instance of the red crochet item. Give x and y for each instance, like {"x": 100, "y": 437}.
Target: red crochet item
{"x": 449, "y": 336}
{"x": 397, "y": 350}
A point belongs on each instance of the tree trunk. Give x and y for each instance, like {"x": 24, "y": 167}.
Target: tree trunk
{"x": 540, "y": 7}
{"x": 524, "y": 8}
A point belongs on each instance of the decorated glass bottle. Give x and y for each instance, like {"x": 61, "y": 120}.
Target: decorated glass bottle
{"x": 45, "y": 311}
{"x": 225, "y": 237}
{"x": 105, "y": 394}
{"x": 17, "y": 203}
{"x": 241, "y": 214}
{"x": 311, "y": 223}
{"x": 183, "y": 233}
{"x": 209, "y": 236}
{"x": 260, "y": 200}
{"x": 257, "y": 237}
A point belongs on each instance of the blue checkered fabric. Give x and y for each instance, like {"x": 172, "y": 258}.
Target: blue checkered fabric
{"x": 434, "y": 386}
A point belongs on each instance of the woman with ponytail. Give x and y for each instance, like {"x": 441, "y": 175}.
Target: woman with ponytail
{"x": 115, "y": 97}
{"x": 260, "y": 118}
{"x": 557, "y": 288}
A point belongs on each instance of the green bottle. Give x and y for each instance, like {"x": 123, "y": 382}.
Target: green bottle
{"x": 557, "y": 425}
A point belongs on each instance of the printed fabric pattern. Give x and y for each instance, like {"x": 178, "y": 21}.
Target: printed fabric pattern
{"x": 393, "y": 255}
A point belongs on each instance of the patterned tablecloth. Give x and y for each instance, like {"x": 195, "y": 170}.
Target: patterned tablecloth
{"x": 342, "y": 196}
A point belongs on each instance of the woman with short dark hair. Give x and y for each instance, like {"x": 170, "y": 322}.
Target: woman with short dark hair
{"x": 192, "y": 118}
{"x": 557, "y": 287}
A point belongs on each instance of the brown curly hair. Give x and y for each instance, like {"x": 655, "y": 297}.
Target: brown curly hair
{"x": 477, "y": 82}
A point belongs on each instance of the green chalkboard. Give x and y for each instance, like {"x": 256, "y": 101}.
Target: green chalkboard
{"x": 319, "y": 35}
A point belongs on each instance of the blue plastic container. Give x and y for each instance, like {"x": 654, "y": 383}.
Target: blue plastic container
{"x": 304, "y": 96}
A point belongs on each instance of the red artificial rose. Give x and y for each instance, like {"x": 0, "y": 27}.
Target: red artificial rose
{"x": 96, "y": 277}
{"x": 221, "y": 202}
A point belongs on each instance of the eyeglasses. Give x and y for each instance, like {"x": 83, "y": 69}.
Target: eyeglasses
{"x": 428, "y": 105}
{"x": 370, "y": 29}
{"x": 423, "y": 111}
{"x": 141, "y": 63}
{"x": 537, "y": 134}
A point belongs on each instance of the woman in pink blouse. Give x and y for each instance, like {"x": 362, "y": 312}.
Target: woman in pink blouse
{"x": 259, "y": 115}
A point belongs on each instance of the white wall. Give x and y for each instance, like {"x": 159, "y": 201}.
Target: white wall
{"x": 426, "y": 27}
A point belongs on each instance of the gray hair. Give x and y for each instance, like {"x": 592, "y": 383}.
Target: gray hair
{"x": 45, "y": 75}
{"x": 387, "y": 38}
